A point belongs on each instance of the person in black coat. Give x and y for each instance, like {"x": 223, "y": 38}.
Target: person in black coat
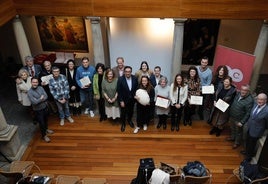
{"x": 74, "y": 100}
{"x": 126, "y": 89}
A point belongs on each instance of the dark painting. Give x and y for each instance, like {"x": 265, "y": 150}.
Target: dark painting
{"x": 200, "y": 38}
{"x": 61, "y": 33}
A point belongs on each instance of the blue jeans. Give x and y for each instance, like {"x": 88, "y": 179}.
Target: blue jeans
{"x": 63, "y": 109}
{"x": 86, "y": 97}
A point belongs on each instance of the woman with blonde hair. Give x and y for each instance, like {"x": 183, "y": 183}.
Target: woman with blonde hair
{"x": 23, "y": 84}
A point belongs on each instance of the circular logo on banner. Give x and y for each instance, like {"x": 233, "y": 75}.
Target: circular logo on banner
{"x": 235, "y": 73}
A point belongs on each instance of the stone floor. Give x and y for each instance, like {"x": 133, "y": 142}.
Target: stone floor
{"x": 15, "y": 114}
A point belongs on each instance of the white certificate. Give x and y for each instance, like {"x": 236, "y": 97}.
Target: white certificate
{"x": 196, "y": 100}
{"x": 162, "y": 102}
{"x": 208, "y": 89}
{"x": 85, "y": 81}
{"x": 46, "y": 78}
{"x": 222, "y": 105}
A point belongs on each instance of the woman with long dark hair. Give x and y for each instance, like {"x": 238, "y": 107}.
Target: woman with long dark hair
{"x": 178, "y": 97}
{"x": 143, "y": 110}
{"x": 193, "y": 82}
{"x": 97, "y": 89}
{"x": 74, "y": 101}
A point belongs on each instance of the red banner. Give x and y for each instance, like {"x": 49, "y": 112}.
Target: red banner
{"x": 240, "y": 64}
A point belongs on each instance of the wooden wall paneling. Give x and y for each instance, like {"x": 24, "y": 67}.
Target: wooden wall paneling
{"x": 7, "y": 11}
{"x": 139, "y": 9}
{"x": 225, "y": 9}
{"x": 220, "y": 9}
{"x": 54, "y": 7}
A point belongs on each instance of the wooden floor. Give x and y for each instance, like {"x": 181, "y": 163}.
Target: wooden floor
{"x": 88, "y": 148}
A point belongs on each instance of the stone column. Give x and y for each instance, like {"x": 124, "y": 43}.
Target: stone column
{"x": 22, "y": 42}
{"x": 259, "y": 53}
{"x": 10, "y": 144}
{"x": 177, "y": 46}
{"x": 97, "y": 40}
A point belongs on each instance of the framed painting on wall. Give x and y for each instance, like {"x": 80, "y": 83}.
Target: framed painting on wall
{"x": 62, "y": 33}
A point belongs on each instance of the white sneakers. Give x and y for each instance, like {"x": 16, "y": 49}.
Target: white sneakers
{"x": 61, "y": 122}
{"x": 70, "y": 119}
{"x": 86, "y": 111}
{"x": 144, "y": 127}
{"x": 136, "y": 130}
{"x": 91, "y": 114}
{"x": 46, "y": 138}
{"x": 49, "y": 131}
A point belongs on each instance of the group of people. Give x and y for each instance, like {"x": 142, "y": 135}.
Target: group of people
{"x": 116, "y": 91}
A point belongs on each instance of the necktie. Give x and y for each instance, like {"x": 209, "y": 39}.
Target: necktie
{"x": 178, "y": 100}
{"x": 256, "y": 111}
{"x": 32, "y": 71}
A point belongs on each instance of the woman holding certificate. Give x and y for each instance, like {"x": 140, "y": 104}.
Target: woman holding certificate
{"x": 178, "y": 97}
{"x": 194, "y": 95}
{"x": 220, "y": 112}
{"x": 162, "y": 102}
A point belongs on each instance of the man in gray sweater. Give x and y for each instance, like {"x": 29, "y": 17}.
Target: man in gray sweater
{"x": 38, "y": 97}
{"x": 239, "y": 114}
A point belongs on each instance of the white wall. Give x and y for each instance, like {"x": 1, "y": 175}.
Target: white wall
{"x": 142, "y": 39}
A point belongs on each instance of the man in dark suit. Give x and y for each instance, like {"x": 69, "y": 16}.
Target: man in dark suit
{"x": 156, "y": 76}
{"x": 33, "y": 69}
{"x": 126, "y": 89}
{"x": 257, "y": 123}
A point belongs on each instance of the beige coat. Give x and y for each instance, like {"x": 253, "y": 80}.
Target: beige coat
{"x": 22, "y": 90}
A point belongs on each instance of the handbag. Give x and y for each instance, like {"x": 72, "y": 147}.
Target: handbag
{"x": 145, "y": 171}
{"x": 167, "y": 168}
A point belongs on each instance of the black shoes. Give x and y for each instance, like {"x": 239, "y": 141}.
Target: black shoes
{"x": 164, "y": 126}
{"x": 213, "y": 130}
{"x": 243, "y": 152}
{"x": 131, "y": 124}
{"x": 159, "y": 125}
{"x": 218, "y": 133}
{"x": 123, "y": 127}
{"x": 177, "y": 128}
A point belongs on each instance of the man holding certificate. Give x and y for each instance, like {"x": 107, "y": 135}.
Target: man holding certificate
{"x": 205, "y": 75}
{"x": 220, "y": 112}
{"x": 84, "y": 78}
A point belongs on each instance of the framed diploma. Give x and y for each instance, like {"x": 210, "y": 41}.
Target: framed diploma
{"x": 222, "y": 105}
{"x": 46, "y": 78}
{"x": 196, "y": 100}
{"x": 162, "y": 102}
{"x": 85, "y": 81}
{"x": 208, "y": 89}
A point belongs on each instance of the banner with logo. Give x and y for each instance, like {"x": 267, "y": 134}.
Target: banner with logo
{"x": 239, "y": 64}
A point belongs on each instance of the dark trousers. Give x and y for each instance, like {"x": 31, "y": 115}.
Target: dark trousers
{"x": 143, "y": 114}
{"x": 175, "y": 116}
{"x": 251, "y": 143}
{"x": 42, "y": 116}
{"x": 204, "y": 106}
{"x": 189, "y": 110}
{"x": 162, "y": 119}
{"x": 101, "y": 105}
{"x": 127, "y": 112}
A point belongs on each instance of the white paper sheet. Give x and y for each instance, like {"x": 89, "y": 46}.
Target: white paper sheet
{"x": 222, "y": 105}
{"x": 196, "y": 100}
{"x": 207, "y": 89}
